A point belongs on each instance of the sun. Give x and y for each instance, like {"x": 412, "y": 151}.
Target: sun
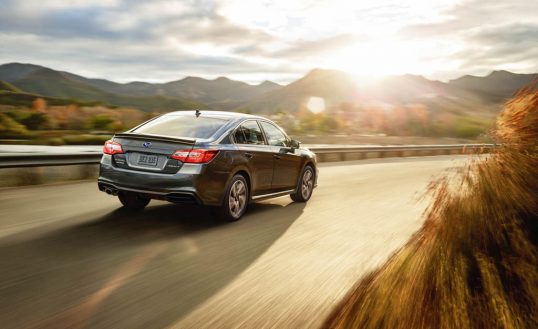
{"x": 373, "y": 60}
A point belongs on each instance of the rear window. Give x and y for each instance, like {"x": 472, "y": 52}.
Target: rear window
{"x": 182, "y": 126}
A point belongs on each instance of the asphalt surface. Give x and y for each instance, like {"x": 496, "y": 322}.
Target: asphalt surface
{"x": 71, "y": 258}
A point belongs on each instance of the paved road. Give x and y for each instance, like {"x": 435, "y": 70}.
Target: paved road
{"x": 70, "y": 258}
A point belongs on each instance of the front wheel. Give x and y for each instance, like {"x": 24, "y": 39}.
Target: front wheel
{"x": 235, "y": 200}
{"x": 304, "y": 189}
{"x": 132, "y": 201}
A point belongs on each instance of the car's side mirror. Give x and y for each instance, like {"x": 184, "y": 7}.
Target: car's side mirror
{"x": 295, "y": 144}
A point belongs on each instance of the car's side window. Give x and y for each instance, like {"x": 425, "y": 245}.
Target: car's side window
{"x": 248, "y": 133}
{"x": 274, "y": 136}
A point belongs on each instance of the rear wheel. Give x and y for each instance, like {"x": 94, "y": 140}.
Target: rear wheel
{"x": 305, "y": 186}
{"x": 235, "y": 200}
{"x": 133, "y": 201}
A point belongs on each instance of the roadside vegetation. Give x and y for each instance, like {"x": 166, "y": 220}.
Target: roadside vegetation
{"x": 31, "y": 118}
{"x": 387, "y": 119}
{"x": 74, "y": 123}
{"x": 474, "y": 263}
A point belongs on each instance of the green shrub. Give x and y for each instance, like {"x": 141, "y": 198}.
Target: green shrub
{"x": 35, "y": 121}
{"x": 466, "y": 127}
{"x": 100, "y": 122}
{"x": 10, "y": 128}
{"x": 55, "y": 141}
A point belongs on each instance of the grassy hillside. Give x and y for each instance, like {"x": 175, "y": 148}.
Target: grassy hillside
{"x": 58, "y": 87}
{"x": 497, "y": 86}
{"x": 51, "y": 83}
{"x": 6, "y": 86}
{"x": 479, "y": 95}
{"x": 25, "y": 100}
{"x": 186, "y": 92}
{"x": 335, "y": 87}
{"x": 474, "y": 263}
{"x": 15, "y": 71}
{"x": 220, "y": 90}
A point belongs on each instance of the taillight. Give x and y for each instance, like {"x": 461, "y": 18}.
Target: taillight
{"x": 194, "y": 156}
{"x": 111, "y": 147}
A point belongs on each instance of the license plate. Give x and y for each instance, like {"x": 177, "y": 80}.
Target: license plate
{"x": 147, "y": 160}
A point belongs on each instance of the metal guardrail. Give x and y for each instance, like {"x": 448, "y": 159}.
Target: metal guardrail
{"x": 20, "y": 160}
{"x": 325, "y": 153}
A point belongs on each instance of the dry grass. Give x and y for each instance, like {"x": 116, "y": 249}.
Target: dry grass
{"x": 474, "y": 263}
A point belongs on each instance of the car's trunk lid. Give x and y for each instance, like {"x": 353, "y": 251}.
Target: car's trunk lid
{"x": 151, "y": 153}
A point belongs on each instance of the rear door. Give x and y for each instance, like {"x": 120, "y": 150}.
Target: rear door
{"x": 287, "y": 163}
{"x": 258, "y": 156}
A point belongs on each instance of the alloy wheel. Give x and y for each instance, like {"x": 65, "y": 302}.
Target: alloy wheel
{"x": 307, "y": 183}
{"x": 237, "y": 199}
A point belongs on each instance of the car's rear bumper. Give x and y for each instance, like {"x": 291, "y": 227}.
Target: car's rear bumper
{"x": 181, "y": 197}
{"x": 192, "y": 184}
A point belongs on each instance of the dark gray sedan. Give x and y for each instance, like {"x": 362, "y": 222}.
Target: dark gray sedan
{"x": 219, "y": 159}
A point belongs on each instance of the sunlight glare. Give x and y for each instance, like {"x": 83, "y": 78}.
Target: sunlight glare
{"x": 316, "y": 105}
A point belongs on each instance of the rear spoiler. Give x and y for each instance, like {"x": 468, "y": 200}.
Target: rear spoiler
{"x": 159, "y": 138}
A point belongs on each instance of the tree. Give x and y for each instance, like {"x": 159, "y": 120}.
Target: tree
{"x": 11, "y": 128}
{"x": 100, "y": 122}
{"x": 39, "y": 105}
{"x": 35, "y": 121}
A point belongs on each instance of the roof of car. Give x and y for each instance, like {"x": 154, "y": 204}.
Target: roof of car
{"x": 216, "y": 114}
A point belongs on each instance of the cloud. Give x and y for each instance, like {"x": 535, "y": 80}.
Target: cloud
{"x": 167, "y": 39}
{"x": 485, "y": 36}
{"x": 472, "y": 15}
{"x": 512, "y": 46}
{"x": 303, "y": 48}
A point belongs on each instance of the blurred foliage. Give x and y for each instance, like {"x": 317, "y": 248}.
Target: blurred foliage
{"x": 474, "y": 262}
{"x": 9, "y": 128}
{"x": 6, "y": 86}
{"x": 43, "y": 123}
{"x": 467, "y": 127}
{"x": 100, "y": 122}
{"x": 23, "y": 99}
{"x": 35, "y": 120}
{"x": 404, "y": 120}
{"x": 37, "y": 115}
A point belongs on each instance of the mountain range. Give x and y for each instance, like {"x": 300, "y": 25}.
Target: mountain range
{"x": 468, "y": 93}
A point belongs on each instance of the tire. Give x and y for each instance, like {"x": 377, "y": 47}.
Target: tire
{"x": 132, "y": 201}
{"x": 305, "y": 186}
{"x": 235, "y": 200}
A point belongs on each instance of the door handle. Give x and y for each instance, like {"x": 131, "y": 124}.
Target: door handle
{"x": 276, "y": 156}
{"x": 248, "y": 155}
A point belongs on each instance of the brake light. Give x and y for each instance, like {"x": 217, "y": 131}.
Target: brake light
{"x": 111, "y": 148}
{"x": 194, "y": 156}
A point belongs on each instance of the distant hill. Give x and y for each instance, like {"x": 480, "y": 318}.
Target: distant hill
{"x": 469, "y": 94}
{"x": 6, "y": 86}
{"x": 335, "y": 87}
{"x": 498, "y": 85}
{"x": 186, "y": 93}
{"x": 218, "y": 91}
{"x": 331, "y": 85}
{"x": 38, "y": 80}
{"x": 15, "y": 71}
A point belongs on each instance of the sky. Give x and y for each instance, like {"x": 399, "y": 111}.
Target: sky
{"x": 253, "y": 41}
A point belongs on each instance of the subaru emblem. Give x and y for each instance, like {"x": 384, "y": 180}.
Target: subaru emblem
{"x": 147, "y": 144}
